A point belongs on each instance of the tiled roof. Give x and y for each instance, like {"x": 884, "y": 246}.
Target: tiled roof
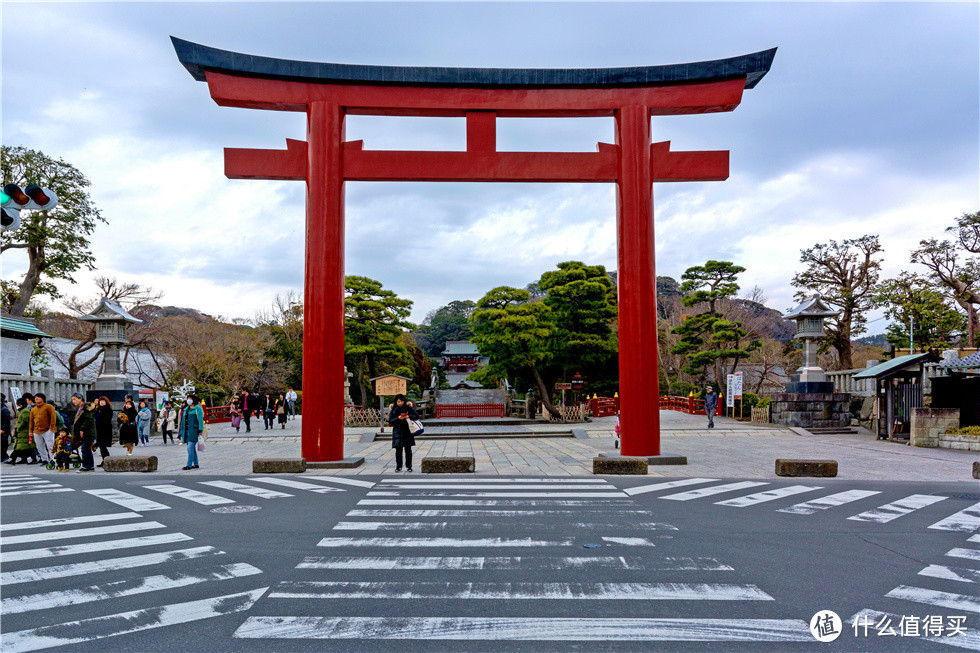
{"x": 16, "y": 327}
{"x": 461, "y": 347}
{"x": 973, "y": 360}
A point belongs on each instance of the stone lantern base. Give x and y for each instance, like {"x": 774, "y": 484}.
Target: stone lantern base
{"x": 812, "y": 409}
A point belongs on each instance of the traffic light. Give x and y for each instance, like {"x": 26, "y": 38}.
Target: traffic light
{"x": 13, "y": 200}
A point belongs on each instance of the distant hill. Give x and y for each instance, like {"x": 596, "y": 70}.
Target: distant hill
{"x": 877, "y": 340}
{"x": 156, "y": 312}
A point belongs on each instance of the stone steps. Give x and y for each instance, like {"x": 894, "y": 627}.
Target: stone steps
{"x": 512, "y": 435}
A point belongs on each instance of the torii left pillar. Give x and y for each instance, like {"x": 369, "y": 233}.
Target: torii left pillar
{"x": 323, "y": 305}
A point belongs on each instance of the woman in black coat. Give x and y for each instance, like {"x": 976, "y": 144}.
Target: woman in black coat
{"x": 128, "y": 435}
{"x": 103, "y": 426}
{"x": 402, "y": 438}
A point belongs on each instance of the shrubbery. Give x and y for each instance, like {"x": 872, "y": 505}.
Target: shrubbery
{"x": 966, "y": 430}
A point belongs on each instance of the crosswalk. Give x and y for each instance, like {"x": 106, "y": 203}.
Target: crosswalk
{"x": 12, "y": 485}
{"x": 119, "y": 565}
{"x": 948, "y": 595}
{"x": 432, "y": 562}
{"x": 966, "y": 520}
{"x": 219, "y": 493}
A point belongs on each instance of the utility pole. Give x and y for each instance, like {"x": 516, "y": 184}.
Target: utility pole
{"x": 911, "y": 326}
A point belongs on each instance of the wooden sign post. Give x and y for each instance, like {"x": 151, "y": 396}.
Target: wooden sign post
{"x": 388, "y": 385}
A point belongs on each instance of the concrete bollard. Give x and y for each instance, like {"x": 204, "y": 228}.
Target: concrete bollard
{"x": 817, "y": 468}
{"x": 458, "y": 465}
{"x": 130, "y": 464}
{"x": 619, "y": 465}
{"x": 278, "y": 465}
{"x": 976, "y": 469}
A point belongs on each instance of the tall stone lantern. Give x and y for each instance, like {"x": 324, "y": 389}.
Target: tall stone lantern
{"x": 111, "y": 322}
{"x": 810, "y": 401}
{"x": 809, "y": 317}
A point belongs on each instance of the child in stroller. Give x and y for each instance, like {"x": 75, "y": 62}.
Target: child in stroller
{"x": 65, "y": 453}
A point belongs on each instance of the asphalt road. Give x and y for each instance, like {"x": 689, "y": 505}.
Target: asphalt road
{"x": 410, "y": 563}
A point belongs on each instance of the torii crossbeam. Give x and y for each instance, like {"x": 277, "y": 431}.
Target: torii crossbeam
{"x": 327, "y": 93}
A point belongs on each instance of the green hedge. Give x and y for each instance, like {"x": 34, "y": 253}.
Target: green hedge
{"x": 966, "y": 430}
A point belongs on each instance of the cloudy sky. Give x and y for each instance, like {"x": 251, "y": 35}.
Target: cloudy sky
{"x": 867, "y": 123}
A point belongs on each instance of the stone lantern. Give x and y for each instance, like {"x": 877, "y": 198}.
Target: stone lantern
{"x": 111, "y": 321}
{"x": 809, "y": 317}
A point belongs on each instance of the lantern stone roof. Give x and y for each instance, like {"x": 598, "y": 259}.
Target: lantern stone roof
{"x": 110, "y": 311}
{"x": 198, "y": 59}
{"x": 812, "y": 307}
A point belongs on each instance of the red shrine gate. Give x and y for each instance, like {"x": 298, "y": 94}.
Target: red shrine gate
{"x": 330, "y": 92}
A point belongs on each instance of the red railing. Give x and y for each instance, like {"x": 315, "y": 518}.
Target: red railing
{"x": 217, "y": 414}
{"x": 605, "y": 406}
{"x": 470, "y": 410}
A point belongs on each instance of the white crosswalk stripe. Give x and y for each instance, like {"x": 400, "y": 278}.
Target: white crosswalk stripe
{"x": 492, "y": 502}
{"x": 513, "y": 562}
{"x": 516, "y": 495}
{"x": 965, "y": 554}
{"x": 519, "y": 591}
{"x": 110, "y": 564}
{"x": 67, "y": 521}
{"x": 959, "y": 602}
{"x": 134, "y": 621}
{"x": 127, "y": 500}
{"x": 203, "y": 498}
{"x": 47, "y": 489}
{"x": 710, "y": 491}
{"x": 558, "y": 629}
{"x": 960, "y": 574}
{"x": 966, "y": 520}
{"x": 656, "y": 487}
{"x": 261, "y": 492}
{"x": 61, "y": 534}
{"x": 829, "y": 501}
{"x": 445, "y": 526}
{"x": 298, "y": 485}
{"x": 768, "y": 495}
{"x": 538, "y": 481}
{"x": 129, "y": 587}
{"x": 343, "y": 481}
{"x": 110, "y": 545}
{"x": 896, "y": 509}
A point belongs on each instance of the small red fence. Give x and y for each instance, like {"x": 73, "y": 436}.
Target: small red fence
{"x": 217, "y": 414}
{"x": 605, "y": 406}
{"x": 470, "y": 410}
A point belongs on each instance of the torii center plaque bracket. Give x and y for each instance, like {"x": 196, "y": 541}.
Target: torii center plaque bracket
{"x": 327, "y": 93}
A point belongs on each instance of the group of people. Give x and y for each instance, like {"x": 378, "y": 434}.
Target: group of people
{"x": 41, "y": 434}
{"x": 270, "y": 409}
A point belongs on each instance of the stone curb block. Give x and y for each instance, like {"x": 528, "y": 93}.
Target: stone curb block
{"x": 976, "y": 469}
{"x": 278, "y": 465}
{"x": 460, "y": 465}
{"x": 619, "y": 465}
{"x": 794, "y": 467}
{"x": 130, "y": 464}
{"x": 346, "y": 463}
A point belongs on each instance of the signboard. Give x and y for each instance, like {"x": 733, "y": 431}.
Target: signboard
{"x": 162, "y": 398}
{"x": 390, "y": 385}
{"x": 563, "y": 386}
{"x": 734, "y": 389}
{"x": 15, "y": 394}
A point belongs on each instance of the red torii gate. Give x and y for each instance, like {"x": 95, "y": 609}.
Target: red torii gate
{"x": 329, "y": 92}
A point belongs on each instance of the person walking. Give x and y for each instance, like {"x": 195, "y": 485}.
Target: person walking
{"x": 128, "y": 435}
{"x": 710, "y": 404}
{"x": 282, "y": 410}
{"x": 43, "y": 422}
{"x": 23, "y": 438}
{"x": 6, "y": 426}
{"x": 167, "y": 421}
{"x": 268, "y": 411}
{"x": 236, "y": 416}
{"x": 402, "y": 439}
{"x": 291, "y": 398}
{"x": 191, "y": 427}
{"x": 103, "y": 426}
{"x": 83, "y": 431}
{"x": 247, "y": 406}
{"x": 144, "y": 417}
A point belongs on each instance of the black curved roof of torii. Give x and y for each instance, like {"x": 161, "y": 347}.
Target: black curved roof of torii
{"x": 197, "y": 58}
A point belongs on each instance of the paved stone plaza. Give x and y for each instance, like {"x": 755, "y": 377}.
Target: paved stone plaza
{"x": 732, "y": 449}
